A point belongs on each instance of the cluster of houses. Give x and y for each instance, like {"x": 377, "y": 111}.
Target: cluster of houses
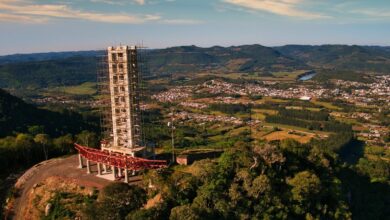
{"x": 174, "y": 94}
{"x": 187, "y": 116}
{"x": 361, "y": 94}
{"x": 374, "y": 134}
{"x": 366, "y": 93}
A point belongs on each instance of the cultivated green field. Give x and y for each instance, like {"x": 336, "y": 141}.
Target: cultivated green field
{"x": 288, "y": 75}
{"x": 327, "y": 105}
{"x": 87, "y": 88}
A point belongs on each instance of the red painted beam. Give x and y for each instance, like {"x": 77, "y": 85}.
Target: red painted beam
{"x": 118, "y": 160}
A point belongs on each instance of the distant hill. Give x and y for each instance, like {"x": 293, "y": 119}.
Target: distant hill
{"x": 17, "y": 116}
{"x": 69, "y": 68}
{"x": 33, "y": 57}
{"x": 72, "y": 68}
{"x": 246, "y": 58}
{"x": 54, "y": 72}
{"x": 342, "y": 57}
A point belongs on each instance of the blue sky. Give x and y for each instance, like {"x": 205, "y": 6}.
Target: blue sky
{"x": 62, "y": 25}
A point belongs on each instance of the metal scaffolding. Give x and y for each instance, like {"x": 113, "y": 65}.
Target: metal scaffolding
{"x": 103, "y": 91}
{"x": 120, "y": 91}
{"x": 119, "y": 86}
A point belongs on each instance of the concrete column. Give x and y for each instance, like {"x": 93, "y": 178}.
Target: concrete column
{"x": 81, "y": 165}
{"x": 88, "y": 167}
{"x": 113, "y": 171}
{"x": 126, "y": 176}
{"x": 99, "y": 169}
{"x": 119, "y": 172}
{"x": 105, "y": 168}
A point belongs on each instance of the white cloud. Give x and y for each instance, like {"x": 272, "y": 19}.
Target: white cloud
{"x": 20, "y": 18}
{"x": 375, "y": 13}
{"x": 25, "y": 11}
{"x": 279, "y": 7}
{"x": 35, "y": 13}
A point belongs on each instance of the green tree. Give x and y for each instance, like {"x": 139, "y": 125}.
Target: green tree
{"x": 64, "y": 144}
{"x": 24, "y": 146}
{"x": 87, "y": 138}
{"x": 36, "y": 129}
{"x": 305, "y": 190}
{"x": 118, "y": 200}
{"x": 269, "y": 155}
{"x": 261, "y": 186}
{"x": 184, "y": 212}
{"x": 43, "y": 140}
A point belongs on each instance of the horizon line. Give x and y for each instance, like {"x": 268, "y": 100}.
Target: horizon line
{"x": 161, "y": 48}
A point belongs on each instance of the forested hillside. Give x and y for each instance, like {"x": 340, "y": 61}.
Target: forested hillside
{"x": 41, "y": 74}
{"x": 284, "y": 181}
{"x": 355, "y": 58}
{"x": 73, "y": 68}
{"x": 57, "y": 69}
{"x": 18, "y": 116}
{"x": 33, "y": 57}
{"x": 246, "y": 58}
{"x": 29, "y": 135}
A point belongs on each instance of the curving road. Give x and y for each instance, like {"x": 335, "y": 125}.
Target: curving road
{"x": 65, "y": 167}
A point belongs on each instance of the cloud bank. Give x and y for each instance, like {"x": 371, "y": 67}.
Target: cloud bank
{"x": 23, "y": 11}
{"x": 280, "y": 7}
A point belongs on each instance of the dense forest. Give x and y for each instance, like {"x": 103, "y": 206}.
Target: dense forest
{"x": 17, "y": 116}
{"x": 29, "y": 134}
{"x": 278, "y": 180}
{"x": 307, "y": 119}
{"x": 230, "y": 109}
{"x": 41, "y": 74}
{"x": 285, "y": 180}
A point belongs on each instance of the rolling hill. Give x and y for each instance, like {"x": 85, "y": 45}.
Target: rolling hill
{"x": 55, "y": 72}
{"x": 246, "y": 58}
{"x": 17, "y": 71}
{"x": 73, "y": 68}
{"x": 342, "y": 57}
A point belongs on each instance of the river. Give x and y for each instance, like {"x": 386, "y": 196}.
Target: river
{"x": 307, "y": 76}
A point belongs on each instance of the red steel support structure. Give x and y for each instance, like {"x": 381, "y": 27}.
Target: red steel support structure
{"x": 119, "y": 160}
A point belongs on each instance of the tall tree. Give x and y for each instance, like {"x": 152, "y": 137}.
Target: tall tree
{"x": 43, "y": 140}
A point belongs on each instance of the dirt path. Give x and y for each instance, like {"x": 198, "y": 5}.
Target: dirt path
{"x": 63, "y": 167}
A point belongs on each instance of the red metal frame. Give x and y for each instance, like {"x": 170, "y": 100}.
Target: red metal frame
{"x": 119, "y": 160}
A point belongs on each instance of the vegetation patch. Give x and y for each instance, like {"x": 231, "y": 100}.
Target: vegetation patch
{"x": 87, "y": 88}
{"x": 58, "y": 198}
{"x": 281, "y": 135}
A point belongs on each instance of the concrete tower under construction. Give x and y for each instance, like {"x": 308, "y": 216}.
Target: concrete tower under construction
{"x": 122, "y": 148}
{"x": 123, "y": 83}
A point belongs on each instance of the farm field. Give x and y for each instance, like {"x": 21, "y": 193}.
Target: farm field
{"x": 326, "y": 105}
{"x": 87, "y": 88}
{"x": 288, "y": 75}
{"x": 285, "y": 134}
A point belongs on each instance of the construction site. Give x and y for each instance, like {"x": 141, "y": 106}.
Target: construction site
{"x": 121, "y": 155}
{"x": 122, "y": 151}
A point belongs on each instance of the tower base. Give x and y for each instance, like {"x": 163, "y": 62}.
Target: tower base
{"x": 134, "y": 152}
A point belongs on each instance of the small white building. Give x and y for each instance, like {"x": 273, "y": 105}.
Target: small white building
{"x": 305, "y": 98}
